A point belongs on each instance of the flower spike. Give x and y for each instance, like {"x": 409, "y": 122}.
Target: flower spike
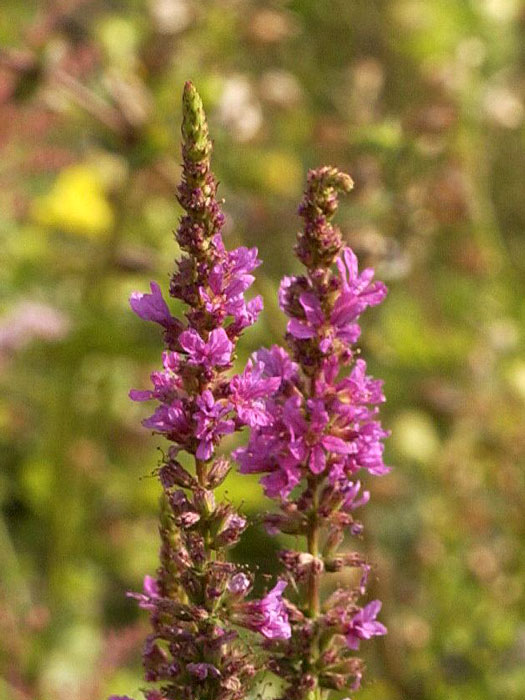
{"x": 324, "y": 430}
{"x": 197, "y": 599}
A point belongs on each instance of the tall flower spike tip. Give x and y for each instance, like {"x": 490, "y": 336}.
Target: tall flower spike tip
{"x": 319, "y": 243}
{"x": 197, "y": 145}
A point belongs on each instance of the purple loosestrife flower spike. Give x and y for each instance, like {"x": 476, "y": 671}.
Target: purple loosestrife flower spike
{"x": 194, "y": 651}
{"x": 323, "y": 431}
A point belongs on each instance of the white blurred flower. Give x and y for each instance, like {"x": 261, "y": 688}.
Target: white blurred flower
{"x": 171, "y": 16}
{"x": 471, "y": 52}
{"x": 281, "y": 88}
{"x": 28, "y": 321}
{"x": 239, "y": 110}
{"x": 502, "y": 106}
{"x": 501, "y": 10}
{"x": 269, "y": 26}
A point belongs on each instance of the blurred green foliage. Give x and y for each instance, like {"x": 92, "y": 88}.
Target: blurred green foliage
{"x": 423, "y": 103}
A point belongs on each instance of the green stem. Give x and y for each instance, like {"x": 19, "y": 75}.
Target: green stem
{"x": 200, "y": 469}
{"x": 313, "y": 549}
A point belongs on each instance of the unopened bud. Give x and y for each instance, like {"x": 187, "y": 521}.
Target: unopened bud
{"x": 333, "y": 541}
{"x": 188, "y": 519}
{"x": 333, "y": 565}
{"x": 174, "y": 474}
{"x": 197, "y": 144}
{"x": 334, "y": 681}
{"x": 204, "y": 502}
{"x": 239, "y": 585}
{"x": 230, "y": 528}
{"x": 217, "y": 472}
{"x": 356, "y": 529}
{"x": 293, "y": 524}
{"x": 301, "y": 564}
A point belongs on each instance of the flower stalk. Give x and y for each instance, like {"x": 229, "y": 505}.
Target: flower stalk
{"x": 197, "y": 600}
{"x": 323, "y": 432}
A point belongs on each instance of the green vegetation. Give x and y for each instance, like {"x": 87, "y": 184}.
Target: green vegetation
{"x": 423, "y": 103}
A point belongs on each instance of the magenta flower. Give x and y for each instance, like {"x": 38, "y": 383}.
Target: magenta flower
{"x": 357, "y": 389}
{"x": 314, "y": 318}
{"x": 350, "y": 492}
{"x": 147, "y": 600}
{"x": 150, "y": 595}
{"x": 357, "y": 292}
{"x": 364, "y": 625}
{"x": 151, "y": 307}
{"x": 166, "y": 384}
{"x": 248, "y": 391}
{"x": 275, "y": 623}
{"x": 227, "y": 286}
{"x": 151, "y": 587}
{"x": 173, "y": 419}
{"x": 313, "y": 419}
{"x": 211, "y": 423}
{"x": 369, "y": 450}
{"x": 280, "y": 482}
{"x": 228, "y": 280}
{"x": 248, "y": 314}
{"x": 336, "y": 433}
{"x": 267, "y": 616}
{"x": 243, "y": 260}
{"x": 357, "y": 285}
{"x": 276, "y": 362}
{"x": 216, "y": 352}
{"x": 315, "y": 324}
{"x": 309, "y": 440}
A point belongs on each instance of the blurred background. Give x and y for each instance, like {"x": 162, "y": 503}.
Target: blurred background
{"x": 423, "y": 103}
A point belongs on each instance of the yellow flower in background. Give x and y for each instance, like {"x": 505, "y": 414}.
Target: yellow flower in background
{"x": 415, "y": 436}
{"x": 281, "y": 173}
{"x": 76, "y": 203}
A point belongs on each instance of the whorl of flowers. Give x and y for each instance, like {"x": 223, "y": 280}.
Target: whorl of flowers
{"x": 197, "y": 596}
{"x": 324, "y": 431}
